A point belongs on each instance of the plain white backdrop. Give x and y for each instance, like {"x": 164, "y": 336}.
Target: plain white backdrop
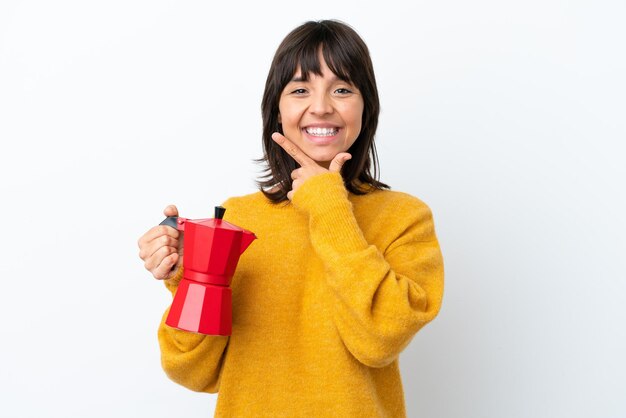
{"x": 507, "y": 118}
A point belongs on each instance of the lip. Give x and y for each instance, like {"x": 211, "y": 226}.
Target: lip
{"x": 320, "y": 140}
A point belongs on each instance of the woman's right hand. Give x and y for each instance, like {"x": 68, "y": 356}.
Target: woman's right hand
{"x": 161, "y": 248}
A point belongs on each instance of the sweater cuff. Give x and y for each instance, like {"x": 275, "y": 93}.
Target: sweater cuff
{"x": 172, "y": 282}
{"x": 325, "y": 199}
{"x": 329, "y": 185}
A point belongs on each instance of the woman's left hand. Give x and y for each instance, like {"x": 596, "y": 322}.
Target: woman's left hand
{"x": 308, "y": 166}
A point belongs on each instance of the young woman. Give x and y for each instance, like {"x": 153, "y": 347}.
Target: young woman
{"x": 343, "y": 273}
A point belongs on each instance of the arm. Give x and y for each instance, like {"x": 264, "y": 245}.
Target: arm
{"x": 192, "y": 360}
{"x": 382, "y": 299}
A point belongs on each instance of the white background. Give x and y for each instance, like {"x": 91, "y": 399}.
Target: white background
{"x": 507, "y": 118}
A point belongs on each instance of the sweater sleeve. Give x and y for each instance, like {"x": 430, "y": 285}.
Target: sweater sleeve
{"x": 382, "y": 298}
{"x": 190, "y": 359}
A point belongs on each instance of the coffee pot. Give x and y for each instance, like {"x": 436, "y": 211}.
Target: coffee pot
{"x": 203, "y": 300}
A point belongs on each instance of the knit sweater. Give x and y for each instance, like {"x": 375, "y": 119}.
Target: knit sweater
{"x": 324, "y": 301}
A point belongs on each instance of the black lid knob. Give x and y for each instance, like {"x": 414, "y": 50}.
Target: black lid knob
{"x": 219, "y": 212}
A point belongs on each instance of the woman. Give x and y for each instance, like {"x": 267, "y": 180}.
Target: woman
{"x": 343, "y": 273}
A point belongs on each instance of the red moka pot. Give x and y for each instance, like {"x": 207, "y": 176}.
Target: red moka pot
{"x": 203, "y": 301}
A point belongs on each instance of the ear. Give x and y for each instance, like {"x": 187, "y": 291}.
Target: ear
{"x": 280, "y": 120}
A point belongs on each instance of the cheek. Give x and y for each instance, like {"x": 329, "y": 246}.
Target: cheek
{"x": 356, "y": 118}
{"x": 354, "y": 112}
{"x": 287, "y": 117}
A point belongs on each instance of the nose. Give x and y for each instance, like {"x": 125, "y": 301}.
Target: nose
{"x": 321, "y": 104}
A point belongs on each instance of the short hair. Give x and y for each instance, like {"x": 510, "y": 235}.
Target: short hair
{"x": 348, "y": 58}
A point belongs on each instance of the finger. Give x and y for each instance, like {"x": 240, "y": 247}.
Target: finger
{"x": 164, "y": 269}
{"x": 295, "y": 174}
{"x": 338, "y": 162}
{"x": 161, "y": 241}
{"x": 157, "y": 258}
{"x": 156, "y": 232}
{"x": 170, "y": 210}
{"x": 148, "y": 249}
{"x": 293, "y": 150}
{"x": 295, "y": 185}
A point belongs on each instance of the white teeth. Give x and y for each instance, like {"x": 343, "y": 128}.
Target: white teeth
{"x": 321, "y": 131}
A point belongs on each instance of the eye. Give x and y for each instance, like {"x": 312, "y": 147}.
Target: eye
{"x": 343, "y": 90}
{"x": 299, "y": 91}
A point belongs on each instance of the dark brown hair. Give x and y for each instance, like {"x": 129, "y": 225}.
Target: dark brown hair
{"x": 348, "y": 58}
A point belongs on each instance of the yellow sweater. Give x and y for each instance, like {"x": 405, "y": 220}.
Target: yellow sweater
{"x": 324, "y": 301}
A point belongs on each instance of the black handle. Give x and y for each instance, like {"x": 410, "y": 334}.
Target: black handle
{"x": 170, "y": 221}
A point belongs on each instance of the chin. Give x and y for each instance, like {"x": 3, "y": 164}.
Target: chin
{"x": 323, "y": 158}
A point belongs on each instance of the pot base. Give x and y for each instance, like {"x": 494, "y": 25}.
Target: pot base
{"x": 202, "y": 308}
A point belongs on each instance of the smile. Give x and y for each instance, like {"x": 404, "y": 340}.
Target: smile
{"x": 321, "y": 131}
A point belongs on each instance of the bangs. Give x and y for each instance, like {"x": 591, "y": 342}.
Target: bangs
{"x": 309, "y": 62}
{"x": 338, "y": 57}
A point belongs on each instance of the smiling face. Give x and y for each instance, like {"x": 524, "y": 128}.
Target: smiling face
{"x": 322, "y": 114}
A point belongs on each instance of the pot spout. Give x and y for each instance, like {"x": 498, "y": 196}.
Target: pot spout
{"x": 246, "y": 239}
